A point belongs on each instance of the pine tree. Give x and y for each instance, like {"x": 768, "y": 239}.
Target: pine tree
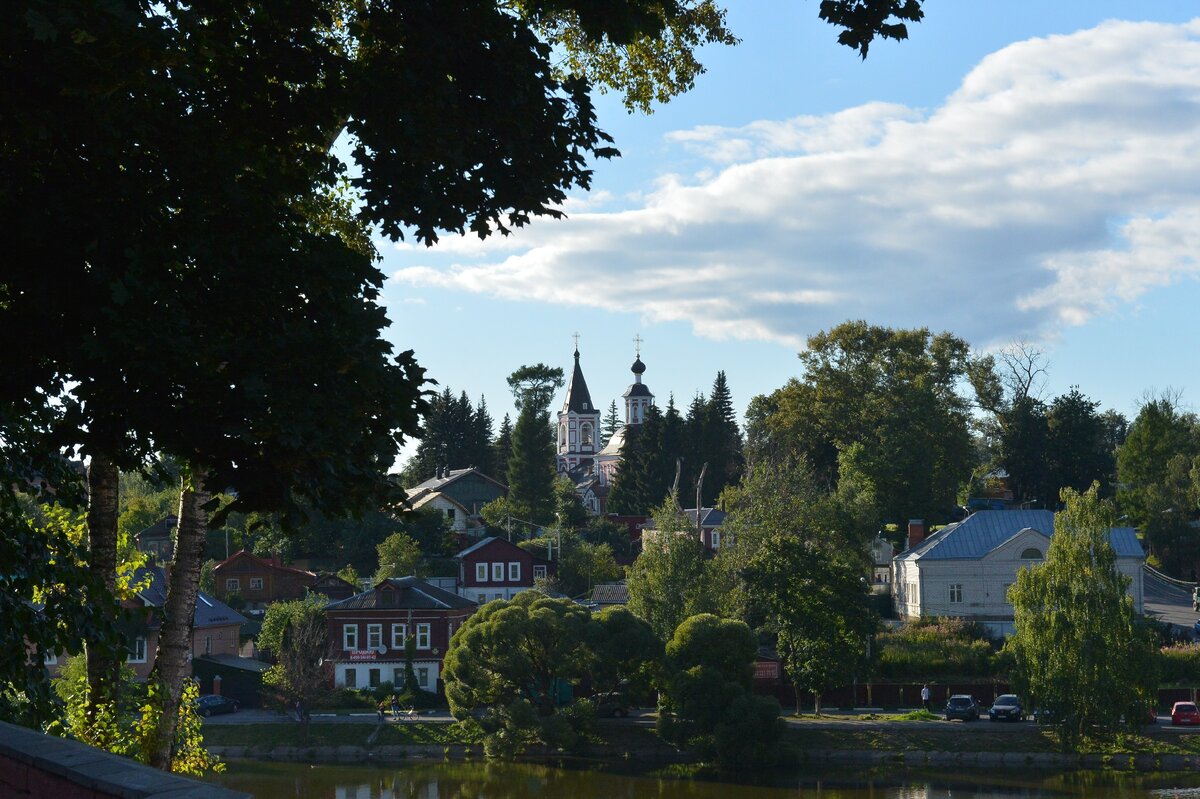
{"x": 482, "y": 455}
{"x": 634, "y": 490}
{"x": 611, "y": 424}
{"x": 502, "y": 449}
{"x": 721, "y": 442}
{"x": 531, "y": 469}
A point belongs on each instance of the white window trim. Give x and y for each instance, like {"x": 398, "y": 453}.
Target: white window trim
{"x": 715, "y": 537}
{"x": 51, "y": 659}
{"x": 349, "y": 637}
{"x": 133, "y": 658}
{"x": 256, "y": 583}
{"x": 232, "y": 584}
{"x": 514, "y": 571}
{"x": 399, "y": 635}
{"x": 956, "y": 590}
{"x": 481, "y": 572}
{"x": 497, "y": 572}
{"x": 374, "y": 632}
{"x": 423, "y": 636}
{"x": 539, "y": 571}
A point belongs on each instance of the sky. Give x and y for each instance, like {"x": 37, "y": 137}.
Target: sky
{"x": 1013, "y": 171}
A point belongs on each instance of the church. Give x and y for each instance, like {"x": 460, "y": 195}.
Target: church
{"x": 580, "y": 457}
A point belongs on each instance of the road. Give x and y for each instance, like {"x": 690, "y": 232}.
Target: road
{"x": 1169, "y": 602}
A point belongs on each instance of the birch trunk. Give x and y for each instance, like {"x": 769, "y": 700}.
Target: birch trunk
{"x": 172, "y": 662}
{"x": 103, "y": 669}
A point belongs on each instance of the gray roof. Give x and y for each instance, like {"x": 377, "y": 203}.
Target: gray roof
{"x": 610, "y": 594}
{"x": 411, "y": 593}
{"x": 160, "y": 529}
{"x": 709, "y": 517}
{"x": 983, "y": 531}
{"x": 578, "y": 399}
{"x": 437, "y": 483}
{"x": 637, "y": 390}
{"x": 210, "y": 611}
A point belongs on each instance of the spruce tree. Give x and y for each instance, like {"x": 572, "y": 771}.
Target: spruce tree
{"x": 720, "y": 442}
{"x": 611, "y": 424}
{"x": 634, "y": 490}
{"x": 531, "y": 469}
{"x": 482, "y": 455}
{"x": 502, "y": 450}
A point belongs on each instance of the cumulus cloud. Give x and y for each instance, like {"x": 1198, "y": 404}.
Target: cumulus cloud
{"x": 1056, "y": 183}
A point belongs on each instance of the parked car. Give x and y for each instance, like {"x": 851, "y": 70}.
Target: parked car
{"x": 962, "y": 706}
{"x": 614, "y": 705}
{"x": 1006, "y": 708}
{"x": 213, "y": 705}
{"x": 1185, "y": 713}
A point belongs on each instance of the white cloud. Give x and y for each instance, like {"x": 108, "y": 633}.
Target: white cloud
{"x": 1057, "y": 182}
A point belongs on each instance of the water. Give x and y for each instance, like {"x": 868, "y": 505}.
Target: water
{"x": 478, "y": 780}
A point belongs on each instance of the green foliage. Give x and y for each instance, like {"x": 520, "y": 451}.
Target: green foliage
{"x": 505, "y": 664}
{"x": 877, "y": 408}
{"x": 1179, "y": 664}
{"x": 350, "y": 575}
{"x": 569, "y": 513}
{"x": 668, "y": 581}
{"x": 455, "y": 435}
{"x": 944, "y": 650}
{"x": 628, "y": 653}
{"x": 533, "y": 387}
{"x": 580, "y": 563}
{"x": 398, "y": 557}
{"x": 1079, "y": 650}
{"x": 280, "y": 614}
{"x": 708, "y": 702}
{"x": 531, "y": 468}
{"x": 300, "y": 644}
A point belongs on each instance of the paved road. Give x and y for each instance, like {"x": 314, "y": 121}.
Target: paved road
{"x": 1169, "y": 602}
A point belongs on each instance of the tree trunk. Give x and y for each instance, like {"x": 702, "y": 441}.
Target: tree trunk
{"x": 816, "y": 703}
{"x": 172, "y": 662}
{"x": 796, "y": 688}
{"x": 103, "y": 668}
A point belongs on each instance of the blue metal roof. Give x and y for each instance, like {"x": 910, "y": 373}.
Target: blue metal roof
{"x": 985, "y": 530}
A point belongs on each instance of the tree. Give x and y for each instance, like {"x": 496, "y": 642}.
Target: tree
{"x": 569, "y": 513}
{"x": 708, "y": 700}
{"x": 399, "y": 555}
{"x": 878, "y": 407}
{"x": 1079, "y": 649}
{"x": 349, "y": 574}
{"x": 720, "y": 442}
{"x": 815, "y": 603}
{"x": 668, "y": 581}
{"x": 531, "y": 465}
{"x": 508, "y": 660}
{"x": 628, "y": 653}
{"x": 611, "y": 424}
{"x": 502, "y": 449}
{"x": 1079, "y": 446}
{"x": 298, "y": 635}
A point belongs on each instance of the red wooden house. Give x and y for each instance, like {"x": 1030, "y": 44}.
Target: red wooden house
{"x": 495, "y": 568}
{"x": 259, "y": 581}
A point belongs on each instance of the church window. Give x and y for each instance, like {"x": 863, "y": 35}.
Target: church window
{"x": 1033, "y": 553}
{"x": 586, "y": 434}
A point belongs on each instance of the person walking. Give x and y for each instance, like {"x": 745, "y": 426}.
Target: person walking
{"x": 395, "y": 706}
{"x": 925, "y": 696}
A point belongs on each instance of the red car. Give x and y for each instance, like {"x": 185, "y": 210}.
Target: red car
{"x": 1185, "y": 713}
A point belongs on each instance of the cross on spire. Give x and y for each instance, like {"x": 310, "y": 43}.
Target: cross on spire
{"x": 637, "y": 343}
{"x": 576, "y": 337}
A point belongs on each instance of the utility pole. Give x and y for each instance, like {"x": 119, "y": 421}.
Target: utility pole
{"x": 699, "y": 485}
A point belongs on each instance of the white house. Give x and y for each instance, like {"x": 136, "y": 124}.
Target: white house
{"x": 965, "y": 569}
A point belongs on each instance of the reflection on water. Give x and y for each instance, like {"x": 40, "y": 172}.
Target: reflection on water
{"x": 516, "y": 781}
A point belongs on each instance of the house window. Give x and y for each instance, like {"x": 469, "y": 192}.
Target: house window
{"x": 399, "y": 634}
{"x": 1033, "y": 553}
{"x": 398, "y": 677}
{"x": 373, "y": 678}
{"x": 514, "y": 571}
{"x": 956, "y": 592}
{"x": 349, "y": 637}
{"x": 539, "y": 572}
{"x": 422, "y": 636}
{"x": 716, "y": 539}
{"x": 351, "y": 678}
{"x": 138, "y": 653}
{"x": 481, "y": 572}
{"x": 423, "y": 677}
{"x": 497, "y": 572}
{"x": 256, "y": 583}
{"x": 374, "y": 636}
{"x": 51, "y": 659}
{"x": 232, "y": 584}
{"x": 208, "y": 644}
{"x": 450, "y": 514}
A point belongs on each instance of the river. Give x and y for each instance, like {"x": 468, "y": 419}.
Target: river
{"x": 479, "y": 780}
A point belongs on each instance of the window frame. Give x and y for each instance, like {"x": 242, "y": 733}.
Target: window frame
{"x": 539, "y": 570}
{"x": 350, "y": 678}
{"x": 347, "y": 629}
{"x": 956, "y": 593}
{"x": 139, "y": 645}
{"x": 514, "y": 571}
{"x": 422, "y": 675}
{"x": 497, "y": 571}
{"x": 253, "y": 586}
{"x": 375, "y": 630}
{"x": 481, "y": 572}
{"x": 403, "y": 630}
{"x": 233, "y": 584}
{"x": 423, "y": 631}
{"x": 374, "y": 677}
{"x": 715, "y": 539}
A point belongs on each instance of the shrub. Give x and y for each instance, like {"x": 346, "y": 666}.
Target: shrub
{"x": 937, "y": 649}
{"x": 1180, "y": 664}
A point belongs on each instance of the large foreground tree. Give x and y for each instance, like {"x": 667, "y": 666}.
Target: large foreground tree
{"x": 1081, "y": 653}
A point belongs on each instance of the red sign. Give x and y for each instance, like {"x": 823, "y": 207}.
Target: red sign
{"x": 363, "y": 654}
{"x": 766, "y": 670}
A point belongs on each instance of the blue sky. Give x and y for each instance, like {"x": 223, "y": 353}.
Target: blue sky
{"x": 1014, "y": 170}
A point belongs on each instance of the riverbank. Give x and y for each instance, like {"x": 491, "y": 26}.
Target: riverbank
{"x": 863, "y": 743}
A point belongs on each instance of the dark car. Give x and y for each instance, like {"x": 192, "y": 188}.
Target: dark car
{"x": 213, "y": 705}
{"x": 962, "y": 706}
{"x": 1007, "y": 708}
{"x": 614, "y": 705}
{"x": 1185, "y": 713}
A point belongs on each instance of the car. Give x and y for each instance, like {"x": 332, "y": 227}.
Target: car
{"x": 614, "y": 705}
{"x": 214, "y": 705}
{"x": 1196, "y": 627}
{"x": 962, "y": 706}
{"x": 1185, "y": 713}
{"x": 1006, "y": 708}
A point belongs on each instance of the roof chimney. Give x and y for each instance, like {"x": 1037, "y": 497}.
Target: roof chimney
{"x": 916, "y": 532}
